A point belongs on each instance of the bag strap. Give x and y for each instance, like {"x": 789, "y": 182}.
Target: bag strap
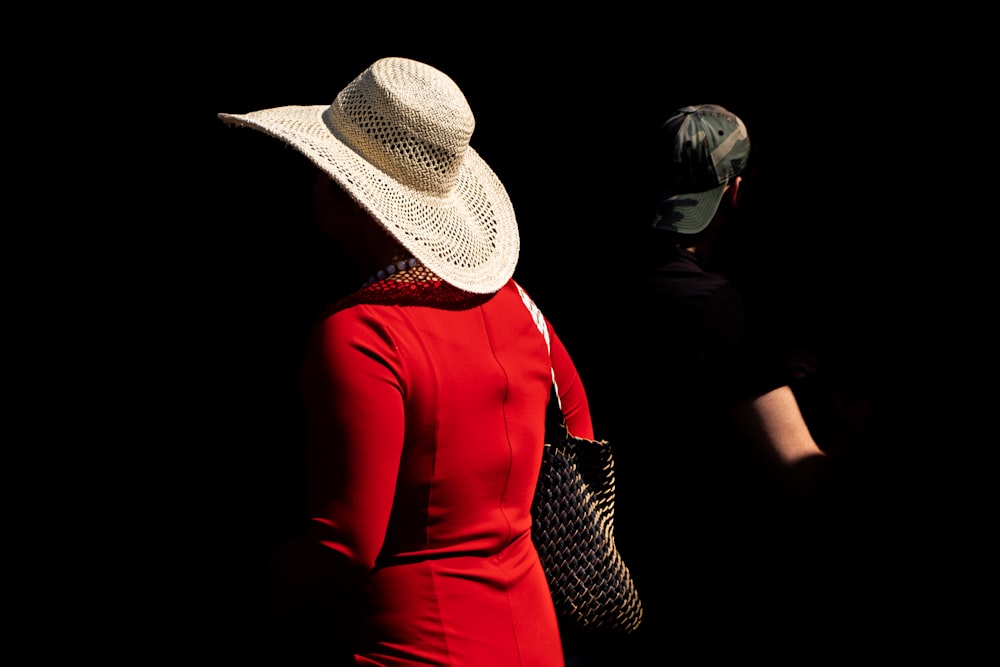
{"x": 539, "y": 319}
{"x": 555, "y": 421}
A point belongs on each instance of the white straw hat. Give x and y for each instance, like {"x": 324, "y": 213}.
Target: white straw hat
{"x": 396, "y": 138}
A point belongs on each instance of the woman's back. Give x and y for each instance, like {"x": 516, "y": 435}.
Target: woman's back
{"x": 426, "y": 423}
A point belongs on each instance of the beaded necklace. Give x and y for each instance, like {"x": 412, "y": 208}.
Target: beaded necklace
{"x": 401, "y": 265}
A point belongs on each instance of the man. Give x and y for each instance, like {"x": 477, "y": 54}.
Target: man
{"x": 718, "y": 472}
{"x": 727, "y": 367}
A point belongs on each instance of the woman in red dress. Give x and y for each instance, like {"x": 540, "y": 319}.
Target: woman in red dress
{"x": 425, "y": 391}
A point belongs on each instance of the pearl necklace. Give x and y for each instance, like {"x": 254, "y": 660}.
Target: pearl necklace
{"x": 401, "y": 265}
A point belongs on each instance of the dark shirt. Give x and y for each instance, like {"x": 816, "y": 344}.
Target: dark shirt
{"x": 703, "y": 347}
{"x": 696, "y": 507}
{"x": 700, "y": 352}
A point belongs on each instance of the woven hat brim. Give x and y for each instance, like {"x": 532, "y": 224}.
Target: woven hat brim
{"x": 468, "y": 237}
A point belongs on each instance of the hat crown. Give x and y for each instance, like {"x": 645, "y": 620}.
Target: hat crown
{"x": 407, "y": 119}
{"x": 710, "y": 146}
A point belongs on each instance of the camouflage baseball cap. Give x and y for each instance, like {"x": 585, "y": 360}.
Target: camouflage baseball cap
{"x": 705, "y": 146}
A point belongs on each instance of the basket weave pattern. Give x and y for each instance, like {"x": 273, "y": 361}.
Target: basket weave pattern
{"x": 573, "y": 531}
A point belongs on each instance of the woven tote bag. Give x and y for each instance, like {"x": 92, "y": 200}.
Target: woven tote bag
{"x": 573, "y": 521}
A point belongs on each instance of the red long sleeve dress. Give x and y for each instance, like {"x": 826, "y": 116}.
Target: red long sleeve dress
{"x": 426, "y": 409}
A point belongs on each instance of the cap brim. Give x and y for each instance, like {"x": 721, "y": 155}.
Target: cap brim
{"x": 688, "y": 213}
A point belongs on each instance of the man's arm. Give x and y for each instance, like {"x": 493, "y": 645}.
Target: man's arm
{"x": 773, "y": 423}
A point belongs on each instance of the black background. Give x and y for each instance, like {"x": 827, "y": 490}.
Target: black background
{"x": 212, "y": 335}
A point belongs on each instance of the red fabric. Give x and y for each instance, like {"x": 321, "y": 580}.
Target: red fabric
{"x": 426, "y": 413}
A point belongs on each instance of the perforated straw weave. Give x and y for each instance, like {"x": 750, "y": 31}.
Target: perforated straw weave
{"x": 397, "y": 139}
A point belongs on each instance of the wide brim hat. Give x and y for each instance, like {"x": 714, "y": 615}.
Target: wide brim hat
{"x": 396, "y": 139}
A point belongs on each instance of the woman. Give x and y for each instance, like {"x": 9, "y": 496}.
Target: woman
{"x": 425, "y": 390}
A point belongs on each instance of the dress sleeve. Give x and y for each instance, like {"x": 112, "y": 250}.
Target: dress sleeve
{"x": 572, "y": 394}
{"x": 354, "y": 418}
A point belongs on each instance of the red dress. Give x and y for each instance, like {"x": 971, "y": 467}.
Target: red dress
{"x": 426, "y": 409}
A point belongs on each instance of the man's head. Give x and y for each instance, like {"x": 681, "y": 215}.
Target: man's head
{"x": 698, "y": 151}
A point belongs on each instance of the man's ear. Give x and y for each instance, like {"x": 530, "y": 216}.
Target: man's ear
{"x": 733, "y": 190}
